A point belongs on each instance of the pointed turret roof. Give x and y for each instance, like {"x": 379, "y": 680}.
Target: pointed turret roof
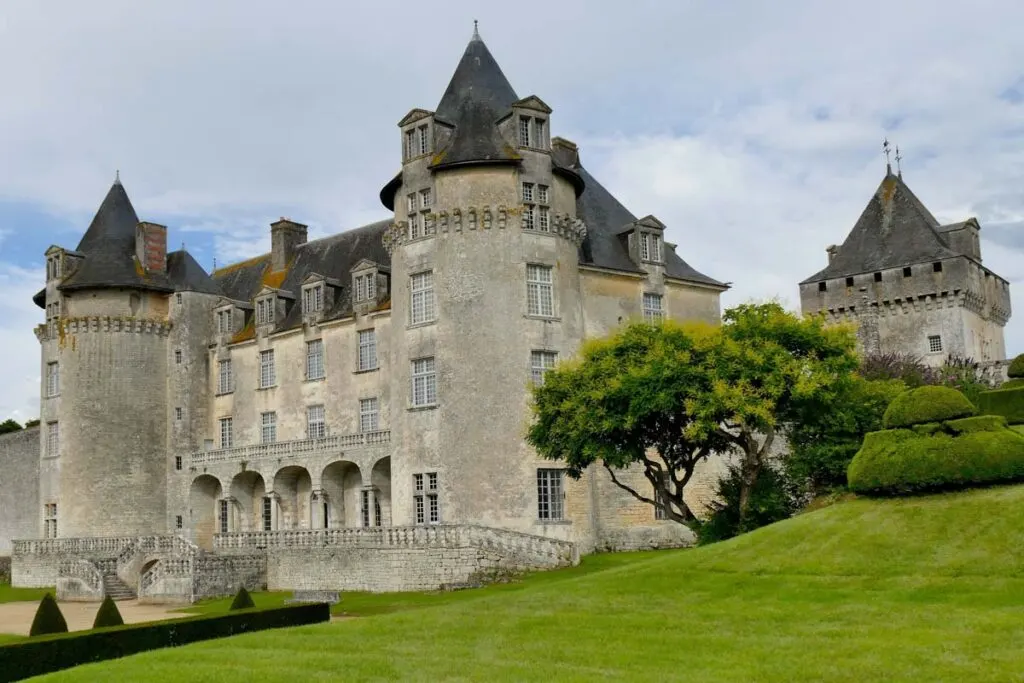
{"x": 895, "y": 230}
{"x": 477, "y": 96}
{"x": 186, "y": 275}
{"x": 108, "y": 247}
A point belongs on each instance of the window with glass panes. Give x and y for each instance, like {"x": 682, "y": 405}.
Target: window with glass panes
{"x": 313, "y": 299}
{"x": 367, "y": 349}
{"x": 268, "y": 513}
{"x": 421, "y": 291}
{"x": 652, "y": 308}
{"x": 315, "y": 359}
{"x": 539, "y": 290}
{"x": 50, "y": 520}
{"x": 267, "y": 375}
{"x": 268, "y": 427}
{"x": 316, "y": 424}
{"x": 226, "y": 432}
{"x": 370, "y": 508}
{"x": 540, "y": 363}
{"x": 52, "y": 379}
{"x": 225, "y": 377}
{"x": 415, "y": 222}
{"x": 426, "y": 508}
{"x": 424, "y": 382}
{"x": 368, "y": 415}
{"x": 550, "y": 496}
{"x": 265, "y": 311}
{"x": 52, "y": 439}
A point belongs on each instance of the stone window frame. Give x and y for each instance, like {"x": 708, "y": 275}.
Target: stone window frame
{"x": 365, "y": 286}
{"x": 934, "y": 343}
{"x": 178, "y": 414}
{"x": 52, "y": 379}
{"x": 417, "y": 140}
{"x": 653, "y": 314}
{"x": 550, "y": 494}
{"x": 316, "y": 362}
{"x": 225, "y": 377}
{"x": 223, "y": 319}
{"x": 52, "y": 316}
{"x": 54, "y": 264}
{"x": 533, "y": 132}
{"x": 178, "y": 357}
{"x": 542, "y": 361}
{"x": 652, "y": 246}
{"x": 426, "y": 494}
{"x": 226, "y": 425}
{"x": 265, "y": 312}
{"x": 52, "y": 439}
{"x": 369, "y": 414}
{"x": 49, "y": 520}
{"x": 423, "y": 382}
{"x": 536, "y": 198}
{"x": 366, "y": 350}
{"x": 179, "y": 463}
{"x": 316, "y": 421}
{"x": 177, "y": 298}
{"x": 267, "y": 369}
{"x": 268, "y": 427}
{"x": 267, "y": 513}
{"x": 424, "y": 292}
{"x": 313, "y": 299}
{"x": 224, "y": 516}
{"x": 368, "y": 498}
{"x": 540, "y": 293}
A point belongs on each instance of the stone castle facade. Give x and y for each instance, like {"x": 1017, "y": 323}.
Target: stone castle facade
{"x": 912, "y": 285}
{"x": 347, "y": 412}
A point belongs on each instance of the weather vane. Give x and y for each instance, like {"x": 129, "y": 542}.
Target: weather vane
{"x": 476, "y": 31}
{"x": 885, "y": 150}
{"x": 899, "y": 158}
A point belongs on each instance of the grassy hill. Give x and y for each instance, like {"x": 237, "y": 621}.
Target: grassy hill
{"x": 902, "y": 590}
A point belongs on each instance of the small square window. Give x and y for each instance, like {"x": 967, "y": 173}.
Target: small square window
{"x": 878, "y": 277}
{"x": 849, "y": 282}
{"x": 937, "y": 267}
{"x": 934, "y": 343}
{"x": 822, "y": 286}
{"x": 907, "y": 272}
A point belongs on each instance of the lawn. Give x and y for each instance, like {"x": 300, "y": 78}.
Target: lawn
{"x": 9, "y": 593}
{"x": 922, "y": 589}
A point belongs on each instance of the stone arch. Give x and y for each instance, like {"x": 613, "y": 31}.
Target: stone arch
{"x": 340, "y": 482}
{"x": 248, "y": 491}
{"x": 203, "y": 495}
{"x": 294, "y": 489}
{"x": 380, "y": 480}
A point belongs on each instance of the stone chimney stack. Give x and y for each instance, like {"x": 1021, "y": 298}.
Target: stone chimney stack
{"x": 831, "y": 250}
{"x": 285, "y": 236}
{"x": 151, "y": 246}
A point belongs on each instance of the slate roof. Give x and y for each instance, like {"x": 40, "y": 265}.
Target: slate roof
{"x": 108, "y": 247}
{"x": 477, "y": 97}
{"x": 606, "y": 217}
{"x": 186, "y": 275}
{"x": 895, "y": 230}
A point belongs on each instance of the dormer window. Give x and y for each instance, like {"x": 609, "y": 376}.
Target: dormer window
{"x": 313, "y": 299}
{"x": 223, "y": 319}
{"x": 417, "y": 141}
{"x": 265, "y": 311}
{"x": 533, "y": 132}
{"x": 366, "y": 287}
{"x": 53, "y": 267}
{"x": 650, "y": 247}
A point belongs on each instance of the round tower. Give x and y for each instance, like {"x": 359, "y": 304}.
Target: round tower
{"x": 113, "y": 357}
{"x": 485, "y": 295}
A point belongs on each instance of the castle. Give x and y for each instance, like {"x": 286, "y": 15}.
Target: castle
{"x": 346, "y": 413}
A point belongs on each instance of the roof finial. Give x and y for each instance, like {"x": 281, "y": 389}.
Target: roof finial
{"x": 899, "y": 158}
{"x": 117, "y": 177}
{"x": 885, "y": 150}
{"x": 476, "y": 30}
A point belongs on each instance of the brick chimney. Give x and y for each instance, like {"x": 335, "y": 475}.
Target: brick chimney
{"x": 151, "y": 246}
{"x": 285, "y": 236}
{"x": 831, "y": 250}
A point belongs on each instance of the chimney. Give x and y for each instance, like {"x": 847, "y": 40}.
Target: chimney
{"x": 565, "y": 151}
{"x": 831, "y": 250}
{"x": 151, "y": 246}
{"x": 285, "y": 236}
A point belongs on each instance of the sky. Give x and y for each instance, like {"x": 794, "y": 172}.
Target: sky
{"x": 753, "y": 130}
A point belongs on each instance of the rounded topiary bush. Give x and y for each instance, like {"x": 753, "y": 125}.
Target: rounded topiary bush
{"x": 1016, "y": 369}
{"x": 108, "y": 614}
{"x": 48, "y": 619}
{"x": 242, "y": 600}
{"x": 926, "y": 404}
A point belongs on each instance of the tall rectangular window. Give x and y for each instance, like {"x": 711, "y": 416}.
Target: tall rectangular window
{"x": 539, "y": 290}
{"x": 543, "y": 219}
{"x": 316, "y": 424}
{"x": 178, "y": 463}
{"x": 265, "y": 311}
{"x": 50, "y": 520}
{"x": 52, "y": 379}
{"x": 650, "y": 247}
{"x": 424, "y": 382}
{"x": 178, "y": 413}
{"x": 369, "y": 508}
{"x": 524, "y": 131}
{"x": 268, "y": 516}
{"x": 421, "y": 291}
{"x": 426, "y": 199}
{"x": 550, "y": 496}
{"x": 227, "y": 437}
{"x": 365, "y": 287}
{"x": 179, "y": 522}
{"x": 223, "y": 516}
{"x": 313, "y": 299}
{"x": 423, "y": 139}
{"x": 527, "y": 192}
{"x": 368, "y": 415}
{"x": 267, "y": 375}
{"x": 177, "y": 357}
{"x": 315, "y": 359}
{"x": 268, "y": 427}
{"x": 540, "y": 363}
{"x": 367, "y": 350}
{"x": 653, "y": 311}
{"x": 225, "y": 377}
{"x": 415, "y": 224}
{"x": 52, "y": 439}
{"x": 426, "y": 507}
{"x": 223, "y": 322}
{"x": 529, "y": 217}
{"x": 540, "y": 135}
{"x": 410, "y": 144}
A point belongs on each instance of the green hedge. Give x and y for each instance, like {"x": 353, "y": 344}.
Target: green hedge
{"x": 901, "y": 461}
{"x": 1016, "y": 368}
{"x": 1008, "y": 402}
{"x": 45, "y": 654}
{"x": 926, "y": 404}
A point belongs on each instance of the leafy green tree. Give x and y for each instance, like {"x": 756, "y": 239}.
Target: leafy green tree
{"x": 31, "y": 423}
{"x": 773, "y": 498}
{"x": 822, "y": 448}
{"x": 48, "y": 619}
{"x": 8, "y": 426}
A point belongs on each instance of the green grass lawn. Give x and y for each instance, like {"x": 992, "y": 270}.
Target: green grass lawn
{"x": 10, "y": 594}
{"x": 921, "y": 589}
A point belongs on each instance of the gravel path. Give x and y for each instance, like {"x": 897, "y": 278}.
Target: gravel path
{"x": 16, "y": 617}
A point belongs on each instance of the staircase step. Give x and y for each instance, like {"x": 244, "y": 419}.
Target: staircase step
{"x": 116, "y": 588}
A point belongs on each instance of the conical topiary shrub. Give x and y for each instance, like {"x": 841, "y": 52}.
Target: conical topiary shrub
{"x": 48, "y": 618}
{"x": 108, "y": 614}
{"x": 242, "y": 600}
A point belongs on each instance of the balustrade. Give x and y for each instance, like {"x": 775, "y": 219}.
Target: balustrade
{"x": 291, "y": 449}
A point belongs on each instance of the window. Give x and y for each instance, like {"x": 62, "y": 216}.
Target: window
{"x": 542, "y": 194}
{"x": 177, "y": 414}
{"x": 652, "y": 308}
{"x": 539, "y": 291}
{"x": 223, "y": 515}
{"x": 849, "y": 282}
{"x": 410, "y": 144}
{"x": 225, "y": 378}
{"x": 543, "y": 221}
{"x": 179, "y": 522}
{"x": 536, "y": 216}
{"x": 415, "y": 224}
{"x": 533, "y": 132}
{"x": 425, "y": 502}
{"x": 424, "y": 382}
{"x": 224, "y": 322}
{"x": 660, "y": 500}
{"x": 226, "y": 435}
{"x": 177, "y": 463}
{"x": 267, "y": 378}
{"x": 265, "y": 311}
{"x": 421, "y": 289}
{"x": 268, "y": 519}
{"x": 934, "y": 343}
{"x": 315, "y": 359}
{"x": 369, "y": 501}
{"x": 316, "y": 425}
{"x": 529, "y": 216}
{"x": 907, "y": 272}
{"x": 52, "y": 439}
{"x": 540, "y": 363}
{"x": 524, "y": 131}
{"x": 177, "y": 357}
{"x": 937, "y": 267}
{"x": 367, "y": 350}
{"x": 368, "y": 415}
{"x": 878, "y": 277}
{"x": 52, "y": 379}
{"x": 366, "y": 287}
{"x": 268, "y": 428}
{"x": 53, "y": 267}
{"x": 424, "y": 146}
{"x": 822, "y": 286}
{"x": 550, "y": 498}
{"x": 540, "y": 135}
{"x": 50, "y": 520}
{"x": 650, "y": 247}
{"x": 527, "y": 192}
{"x": 313, "y": 299}
{"x": 425, "y": 199}
{"x": 177, "y": 298}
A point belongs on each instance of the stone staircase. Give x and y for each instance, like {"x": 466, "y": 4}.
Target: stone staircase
{"x": 116, "y": 588}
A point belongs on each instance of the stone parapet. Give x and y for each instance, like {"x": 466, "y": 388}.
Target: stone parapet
{"x": 288, "y": 449}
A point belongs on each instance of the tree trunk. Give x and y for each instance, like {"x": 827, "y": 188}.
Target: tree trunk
{"x": 751, "y": 470}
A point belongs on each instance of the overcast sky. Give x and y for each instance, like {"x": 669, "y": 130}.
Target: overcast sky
{"x": 752, "y": 129}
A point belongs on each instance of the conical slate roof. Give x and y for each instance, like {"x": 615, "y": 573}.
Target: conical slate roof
{"x": 477, "y": 96}
{"x": 109, "y": 249}
{"x": 186, "y": 275}
{"x": 895, "y": 230}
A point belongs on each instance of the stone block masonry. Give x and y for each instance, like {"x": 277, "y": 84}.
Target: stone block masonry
{"x": 20, "y": 511}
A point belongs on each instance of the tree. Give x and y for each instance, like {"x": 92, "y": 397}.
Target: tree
{"x": 108, "y": 614}
{"x": 48, "y": 619}
{"x": 628, "y": 400}
{"x": 32, "y": 423}
{"x": 8, "y": 426}
{"x": 242, "y": 600}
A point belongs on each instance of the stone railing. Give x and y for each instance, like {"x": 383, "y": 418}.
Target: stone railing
{"x": 177, "y": 567}
{"x": 538, "y": 549}
{"x": 101, "y": 547}
{"x": 78, "y": 580}
{"x": 290, "y": 449}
